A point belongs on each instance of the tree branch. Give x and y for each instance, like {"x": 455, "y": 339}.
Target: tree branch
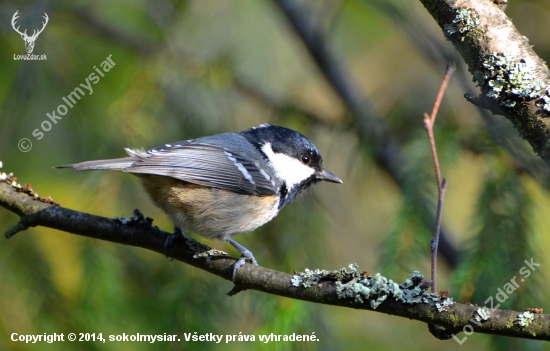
{"x": 326, "y": 288}
{"x": 514, "y": 81}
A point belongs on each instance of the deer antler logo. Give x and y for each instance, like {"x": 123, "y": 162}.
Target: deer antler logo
{"x": 29, "y": 40}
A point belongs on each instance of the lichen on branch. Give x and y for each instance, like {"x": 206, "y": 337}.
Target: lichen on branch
{"x": 514, "y": 81}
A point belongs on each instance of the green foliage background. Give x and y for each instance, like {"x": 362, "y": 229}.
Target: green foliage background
{"x": 187, "y": 69}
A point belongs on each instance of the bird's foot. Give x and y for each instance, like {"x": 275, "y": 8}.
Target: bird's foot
{"x": 246, "y": 256}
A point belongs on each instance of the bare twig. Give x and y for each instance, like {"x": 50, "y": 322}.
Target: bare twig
{"x": 429, "y": 122}
{"x": 435, "y": 240}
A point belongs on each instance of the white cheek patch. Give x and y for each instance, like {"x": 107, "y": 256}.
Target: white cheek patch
{"x": 287, "y": 168}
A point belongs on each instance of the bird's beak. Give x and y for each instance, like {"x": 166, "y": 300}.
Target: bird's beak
{"x": 329, "y": 177}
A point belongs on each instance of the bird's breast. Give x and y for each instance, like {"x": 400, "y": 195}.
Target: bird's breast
{"x": 210, "y": 212}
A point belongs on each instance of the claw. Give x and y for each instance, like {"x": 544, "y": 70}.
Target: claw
{"x": 178, "y": 233}
{"x": 246, "y": 256}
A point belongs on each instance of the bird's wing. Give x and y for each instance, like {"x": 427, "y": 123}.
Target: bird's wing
{"x": 204, "y": 164}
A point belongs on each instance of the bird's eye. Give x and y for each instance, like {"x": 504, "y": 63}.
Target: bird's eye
{"x": 306, "y": 159}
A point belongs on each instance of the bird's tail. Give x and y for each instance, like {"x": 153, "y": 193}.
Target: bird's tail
{"x": 113, "y": 164}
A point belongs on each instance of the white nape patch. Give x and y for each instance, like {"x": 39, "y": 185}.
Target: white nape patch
{"x": 287, "y": 168}
{"x": 261, "y": 126}
{"x": 240, "y": 167}
{"x": 168, "y": 145}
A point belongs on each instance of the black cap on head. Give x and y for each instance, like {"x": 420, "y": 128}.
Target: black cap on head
{"x": 285, "y": 141}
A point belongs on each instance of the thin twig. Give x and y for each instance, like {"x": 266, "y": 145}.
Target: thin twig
{"x": 429, "y": 125}
{"x": 429, "y": 122}
{"x": 448, "y": 73}
{"x": 435, "y": 240}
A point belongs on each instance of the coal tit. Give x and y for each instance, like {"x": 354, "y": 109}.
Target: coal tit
{"x": 225, "y": 184}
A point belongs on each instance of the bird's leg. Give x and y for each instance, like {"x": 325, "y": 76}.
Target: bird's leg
{"x": 246, "y": 255}
{"x": 178, "y": 233}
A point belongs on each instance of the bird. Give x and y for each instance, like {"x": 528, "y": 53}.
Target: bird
{"x": 226, "y": 184}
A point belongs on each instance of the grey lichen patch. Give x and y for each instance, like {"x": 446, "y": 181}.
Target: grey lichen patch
{"x": 374, "y": 289}
{"x": 525, "y": 318}
{"x": 510, "y": 79}
{"x": 309, "y": 278}
{"x": 464, "y": 21}
{"x": 201, "y": 250}
{"x": 208, "y": 254}
{"x": 362, "y": 288}
{"x": 444, "y": 305}
{"x": 482, "y": 314}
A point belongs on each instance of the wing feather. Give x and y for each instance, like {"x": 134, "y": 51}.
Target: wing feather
{"x": 203, "y": 164}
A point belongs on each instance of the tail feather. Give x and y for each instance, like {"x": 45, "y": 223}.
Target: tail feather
{"x": 113, "y": 164}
